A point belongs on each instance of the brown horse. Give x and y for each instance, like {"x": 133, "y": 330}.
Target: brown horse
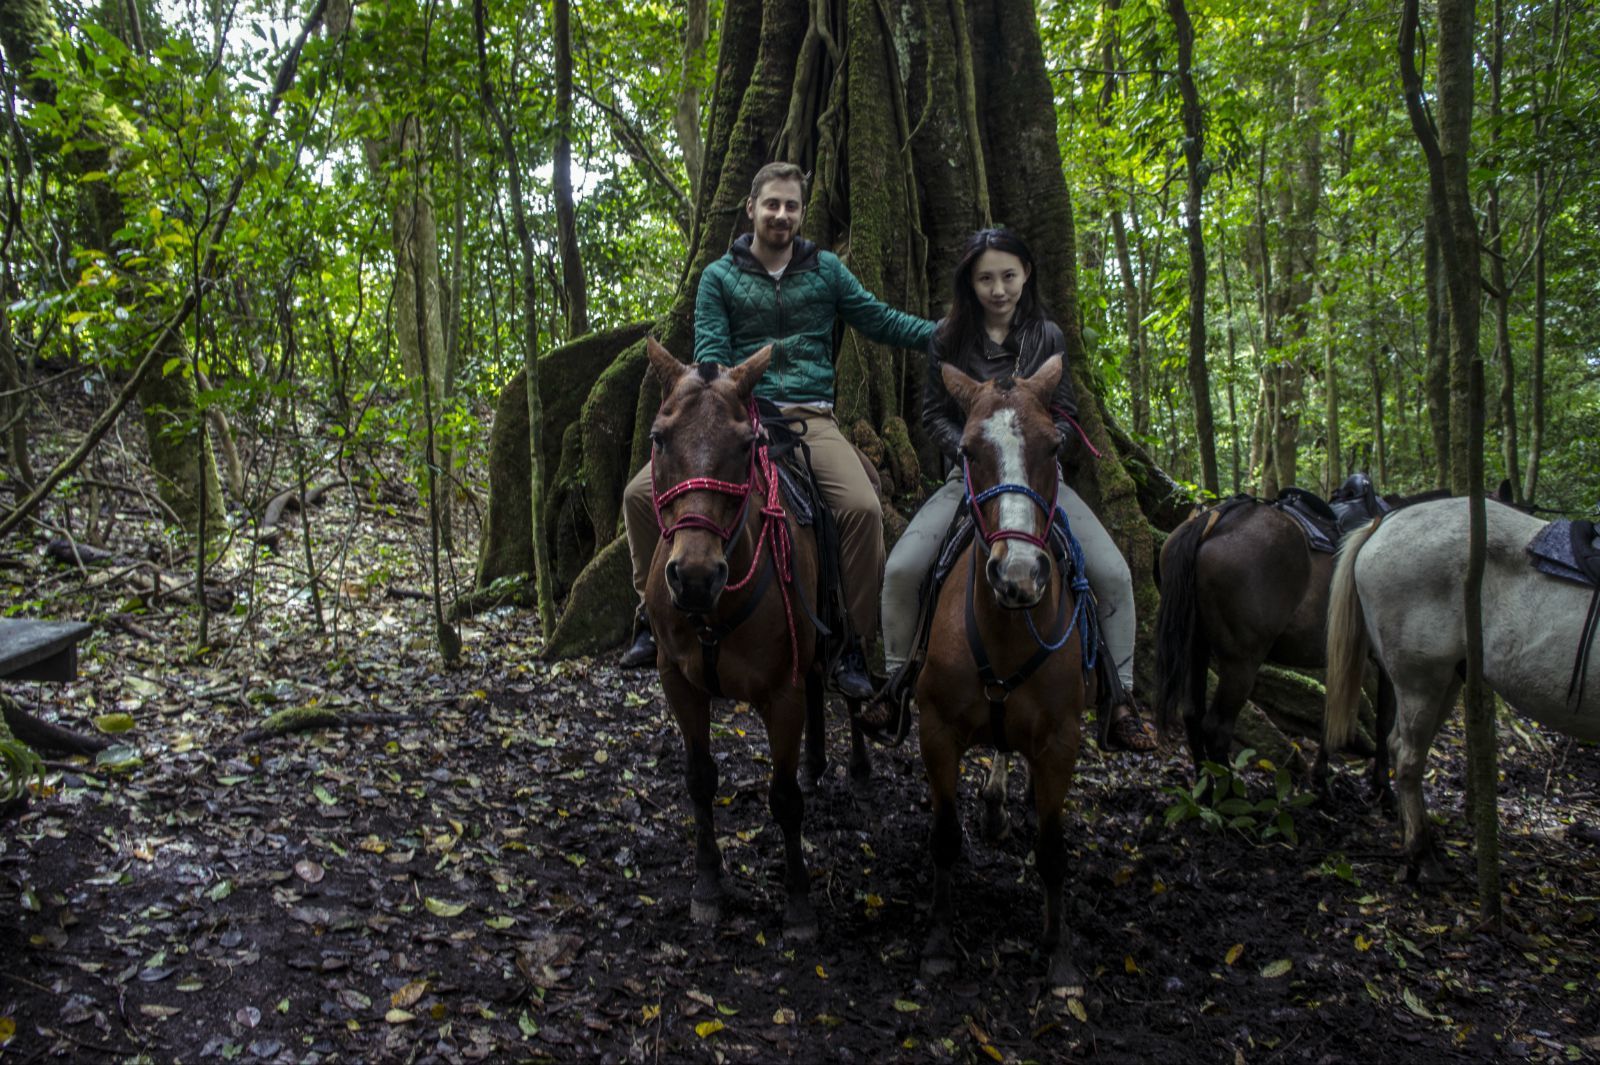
{"x": 1005, "y": 659}
{"x": 733, "y": 589}
{"x": 1240, "y": 587}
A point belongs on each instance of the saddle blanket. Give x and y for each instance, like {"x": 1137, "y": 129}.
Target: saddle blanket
{"x": 1569, "y": 550}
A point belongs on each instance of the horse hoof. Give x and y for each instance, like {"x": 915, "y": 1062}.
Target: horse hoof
{"x": 938, "y": 956}
{"x": 705, "y": 911}
{"x": 799, "y": 930}
{"x": 1065, "y": 978}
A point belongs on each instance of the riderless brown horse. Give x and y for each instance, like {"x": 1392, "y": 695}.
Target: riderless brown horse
{"x": 1241, "y": 586}
{"x": 1005, "y": 661}
{"x": 733, "y": 590}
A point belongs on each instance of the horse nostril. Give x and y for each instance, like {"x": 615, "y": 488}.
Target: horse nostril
{"x": 722, "y": 573}
{"x": 992, "y": 571}
{"x": 1041, "y": 570}
{"x": 673, "y": 580}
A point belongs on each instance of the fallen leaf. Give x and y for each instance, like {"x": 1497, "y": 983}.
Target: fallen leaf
{"x": 822, "y": 974}
{"x": 397, "y": 1016}
{"x": 308, "y": 870}
{"x": 440, "y": 908}
{"x": 1363, "y": 943}
{"x": 114, "y": 723}
{"x": 1414, "y": 1004}
{"x": 408, "y": 995}
{"x": 1130, "y": 966}
{"x": 782, "y": 1015}
{"x": 1275, "y": 969}
{"x": 150, "y": 1009}
{"x": 1075, "y": 1007}
{"x": 1233, "y": 953}
{"x": 905, "y": 1005}
{"x": 707, "y": 1029}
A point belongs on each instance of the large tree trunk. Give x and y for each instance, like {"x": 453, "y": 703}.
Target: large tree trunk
{"x": 895, "y": 192}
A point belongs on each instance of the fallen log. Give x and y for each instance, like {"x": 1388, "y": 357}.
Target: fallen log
{"x": 289, "y": 502}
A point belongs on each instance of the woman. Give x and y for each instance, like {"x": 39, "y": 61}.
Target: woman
{"x": 997, "y": 326}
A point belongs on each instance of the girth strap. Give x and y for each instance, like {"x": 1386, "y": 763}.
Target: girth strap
{"x": 992, "y": 683}
{"x": 1580, "y": 666}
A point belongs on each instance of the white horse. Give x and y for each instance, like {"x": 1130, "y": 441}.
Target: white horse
{"x": 1397, "y": 588}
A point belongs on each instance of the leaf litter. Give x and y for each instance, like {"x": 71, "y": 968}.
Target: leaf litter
{"x": 503, "y": 871}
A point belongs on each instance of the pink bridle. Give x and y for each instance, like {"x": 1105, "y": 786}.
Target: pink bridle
{"x": 774, "y": 522}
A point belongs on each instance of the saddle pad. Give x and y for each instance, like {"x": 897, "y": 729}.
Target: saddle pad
{"x": 1319, "y": 536}
{"x": 1556, "y": 551}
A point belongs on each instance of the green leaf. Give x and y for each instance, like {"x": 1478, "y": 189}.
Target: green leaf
{"x": 114, "y": 723}
{"x": 440, "y": 908}
{"x": 1273, "y": 970}
{"x": 324, "y": 796}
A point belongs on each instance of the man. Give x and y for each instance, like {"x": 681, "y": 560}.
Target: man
{"x": 773, "y": 287}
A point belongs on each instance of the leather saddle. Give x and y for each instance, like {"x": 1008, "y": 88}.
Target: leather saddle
{"x": 1569, "y": 550}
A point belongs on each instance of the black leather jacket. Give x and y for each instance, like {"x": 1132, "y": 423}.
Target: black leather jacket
{"x": 1025, "y": 349}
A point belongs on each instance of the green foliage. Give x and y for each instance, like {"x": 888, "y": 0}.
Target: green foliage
{"x": 1220, "y": 801}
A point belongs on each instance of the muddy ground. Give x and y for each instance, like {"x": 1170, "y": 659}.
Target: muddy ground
{"x": 502, "y": 869}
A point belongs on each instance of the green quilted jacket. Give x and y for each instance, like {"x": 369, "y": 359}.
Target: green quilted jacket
{"x": 740, "y": 308}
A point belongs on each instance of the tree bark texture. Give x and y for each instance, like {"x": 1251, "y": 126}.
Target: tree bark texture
{"x": 1438, "y": 379}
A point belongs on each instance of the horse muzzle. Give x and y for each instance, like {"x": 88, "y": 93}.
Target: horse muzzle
{"x": 1019, "y": 576}
{"x": 695, "y": 587}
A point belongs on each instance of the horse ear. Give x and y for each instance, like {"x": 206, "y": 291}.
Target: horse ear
{"x": 962, "y": 388}
{"x": 666, "y": 368}
{"x": 747, "y": 373}
{"x": 1045, "y": 379}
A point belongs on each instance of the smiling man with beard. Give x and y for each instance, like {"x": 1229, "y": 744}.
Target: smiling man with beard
{"x": 775, "y": 287}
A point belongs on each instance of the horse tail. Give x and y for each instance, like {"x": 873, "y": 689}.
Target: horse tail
{"x": 1181, "y": 650}
{"x": 1348, "y": 643}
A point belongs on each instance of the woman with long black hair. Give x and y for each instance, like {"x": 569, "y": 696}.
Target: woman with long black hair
{"x": 998, "y": 326}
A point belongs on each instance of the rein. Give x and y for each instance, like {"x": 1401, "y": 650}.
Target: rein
{"x": 774, "y": 535}
{"x": 995, "y": 688}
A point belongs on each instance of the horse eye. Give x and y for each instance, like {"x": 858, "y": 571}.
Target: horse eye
{"x": 658, "y": 439}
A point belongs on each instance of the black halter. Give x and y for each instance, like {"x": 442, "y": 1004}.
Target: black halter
{"x": 995, "y": 688}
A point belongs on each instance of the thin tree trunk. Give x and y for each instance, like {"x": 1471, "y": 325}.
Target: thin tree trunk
{"x": 1193, "y": 151}
{"x": 1333, "y": 449}
{"x": 686, "y": 112}
{"x": 1536, "y": 386}
{"x": 1448, "y": 170}
{"x": 1138, "y": 365}
{"x": 1438, "y": 379}
{"x": 1233, "y": 408}
{"x": 1497, "y": 272}
{"x": 572, "y": 279}
{"x": 542, "y": 574}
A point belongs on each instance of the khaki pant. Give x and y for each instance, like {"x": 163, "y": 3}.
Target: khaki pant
{"x": 918, "y": 547}
{"x": 848, "y": 493}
